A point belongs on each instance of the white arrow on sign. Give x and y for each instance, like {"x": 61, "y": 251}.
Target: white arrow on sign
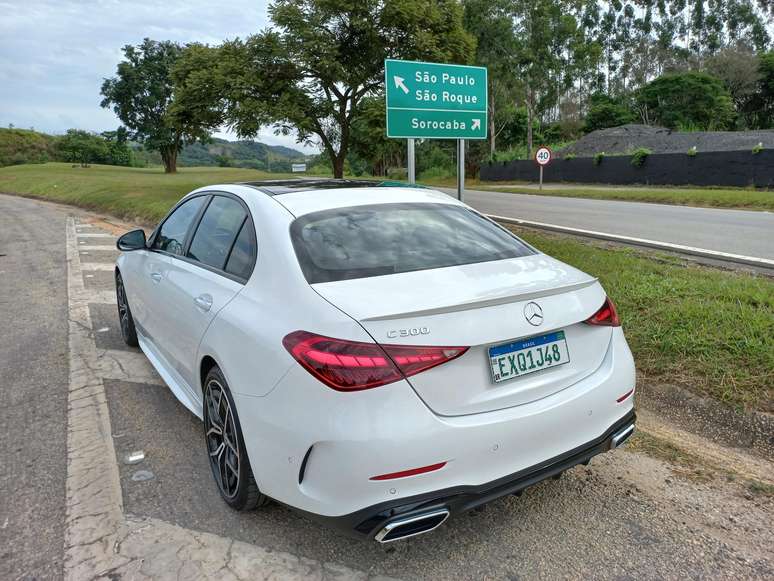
{"x": 399, "y": 83}
{"x": 476, "y": 124}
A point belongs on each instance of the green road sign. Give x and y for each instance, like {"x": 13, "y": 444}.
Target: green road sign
{"x": 431, "y": 100}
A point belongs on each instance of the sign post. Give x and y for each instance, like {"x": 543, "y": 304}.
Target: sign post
{"x": 412, "y": 177}
{"x": 436, "y": 101}
{"x": 542, "y": 158}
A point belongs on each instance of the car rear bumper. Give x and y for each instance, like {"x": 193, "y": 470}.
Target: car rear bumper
{"x": 326, "y": 452}
{"x": 369, "y": 522}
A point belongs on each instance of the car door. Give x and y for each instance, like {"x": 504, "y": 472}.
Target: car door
{"x": 169, "y": 239}
{"x": 198, "y": 285}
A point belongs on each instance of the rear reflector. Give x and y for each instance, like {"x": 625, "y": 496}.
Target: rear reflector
{"x": 411, "y": 472}
{"x": 353, "y": 365}
{"x": 605, "y": 316}
{"x": 625, "y": 396}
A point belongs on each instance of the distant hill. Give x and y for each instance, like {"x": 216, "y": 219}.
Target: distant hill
{"x": 19, "y": 146}
{"x": 248, "y": 154}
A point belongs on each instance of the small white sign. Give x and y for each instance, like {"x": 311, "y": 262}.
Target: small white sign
{"x": 297, "y": 167}
{"x": 543, "y": 156}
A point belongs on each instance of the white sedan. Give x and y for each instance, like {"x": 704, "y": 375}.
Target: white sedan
{"x": 376, "y": 357}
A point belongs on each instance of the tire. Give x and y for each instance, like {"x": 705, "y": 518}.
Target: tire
{"x": 125, "y": 319}
{"x": 225, "y": 446}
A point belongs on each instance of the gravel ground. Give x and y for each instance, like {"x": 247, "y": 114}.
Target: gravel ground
{"x": 624, "y": 139}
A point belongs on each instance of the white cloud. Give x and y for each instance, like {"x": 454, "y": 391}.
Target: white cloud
{"x": 54, "y": 54}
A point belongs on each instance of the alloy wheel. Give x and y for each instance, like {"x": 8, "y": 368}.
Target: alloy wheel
{"x": 222, "y": 443}
{"x": 123, "y": 307}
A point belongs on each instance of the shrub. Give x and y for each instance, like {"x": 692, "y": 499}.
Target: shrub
{"x": 599, "y": 157}
{"x": 639, "y": 156}
{"x": 692, "y": 151}
{"x": 569, "y": 156}
{"x": 758, "y": 148}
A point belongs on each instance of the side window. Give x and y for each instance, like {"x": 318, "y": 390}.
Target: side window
{"x": 216, "y": 232}
{"x": 240, "y": 262}
{"x": 171, "y": 236}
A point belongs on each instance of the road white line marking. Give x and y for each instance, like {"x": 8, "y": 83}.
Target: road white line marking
{"x": 98, "y": 247}
{"x": 111, "y": 266}
{"x": 692, "y": 250}
{"x": 95, "y": 235}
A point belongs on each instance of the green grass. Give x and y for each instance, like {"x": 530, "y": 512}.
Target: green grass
{"x": 709, "y": 330}
{"x": 143, "y": 194}
{"x": 748, "y": 199}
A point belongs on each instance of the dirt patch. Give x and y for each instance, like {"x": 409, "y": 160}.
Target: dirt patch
{"x": 751, "y": 432}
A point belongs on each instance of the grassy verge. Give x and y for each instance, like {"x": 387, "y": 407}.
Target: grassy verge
{"x": 747, "y": 199}
{"x": 708, "y": 330}
{"x": 144, "y": 194}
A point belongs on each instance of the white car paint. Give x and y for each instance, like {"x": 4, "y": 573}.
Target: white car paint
{"x": 452, "y": 413}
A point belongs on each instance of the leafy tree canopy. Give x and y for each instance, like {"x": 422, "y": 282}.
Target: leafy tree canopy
{"x": 605, "y": 111}
{"x": 687, "y": 101}
{"x": 310, "y": 72}
{"x": 140, "y": 95}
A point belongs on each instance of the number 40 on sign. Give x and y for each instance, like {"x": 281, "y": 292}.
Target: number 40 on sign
{"x": 542, "y": 158}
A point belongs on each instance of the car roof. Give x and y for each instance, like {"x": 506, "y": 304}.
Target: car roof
{"x": 286, "y": 186}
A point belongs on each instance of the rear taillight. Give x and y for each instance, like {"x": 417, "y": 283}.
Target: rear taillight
{"x": 606, "y": 315}
{"x": 353, "y": 365}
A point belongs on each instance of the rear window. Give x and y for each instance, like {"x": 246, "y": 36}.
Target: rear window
{"x": 363, "y": 241}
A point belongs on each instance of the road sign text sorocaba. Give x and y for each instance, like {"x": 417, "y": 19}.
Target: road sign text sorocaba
{"x": 431, "y": 100}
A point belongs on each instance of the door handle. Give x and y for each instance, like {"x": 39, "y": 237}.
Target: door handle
{"x": 204, "y": 302}
{"x": 156, "y": 276}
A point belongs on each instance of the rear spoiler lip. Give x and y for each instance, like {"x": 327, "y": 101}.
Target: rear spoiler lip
{"x": 488, "y": 302}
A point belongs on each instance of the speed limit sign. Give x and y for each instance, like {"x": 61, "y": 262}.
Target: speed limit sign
{"x": 543, "y": 155}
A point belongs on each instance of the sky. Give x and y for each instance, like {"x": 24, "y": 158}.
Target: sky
{"x": 54, "y": 54}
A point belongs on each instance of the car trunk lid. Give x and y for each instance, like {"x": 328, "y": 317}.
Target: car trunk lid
{"x": 480, "y": 306}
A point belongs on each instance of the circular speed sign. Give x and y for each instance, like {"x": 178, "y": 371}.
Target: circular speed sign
{"x": 543, "y": 155}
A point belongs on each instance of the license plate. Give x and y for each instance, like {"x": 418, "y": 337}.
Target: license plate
{"x": 528, "y": 356}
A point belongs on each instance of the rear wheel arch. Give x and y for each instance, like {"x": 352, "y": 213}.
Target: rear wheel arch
{"x": 207, "y": 363}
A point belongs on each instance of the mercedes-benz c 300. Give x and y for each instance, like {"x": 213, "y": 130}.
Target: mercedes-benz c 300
{"x": 377, "y": 357}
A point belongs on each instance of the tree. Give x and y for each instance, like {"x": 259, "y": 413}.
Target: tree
{"x": 738, "y": 68}
{"x": 140, "y": 95}
{"x": 491, "y": 23}
{"x": 310, "y": 73}
{"x": 78, "y": 146}
{"x": 687, "y": 100}
{"x": 118, "y": 152}
{"x": 547, "y": 38}
{"x": 760, "y": 108}
{"x": 369, "y": 141}
{"x": 605, "y": 111}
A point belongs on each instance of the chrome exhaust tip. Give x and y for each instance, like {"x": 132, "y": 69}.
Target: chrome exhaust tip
{"x": 412, "y": 526}
{"x": 619, "y": 438}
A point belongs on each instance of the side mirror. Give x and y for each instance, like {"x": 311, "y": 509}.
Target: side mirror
{"x": 134, "y": 240}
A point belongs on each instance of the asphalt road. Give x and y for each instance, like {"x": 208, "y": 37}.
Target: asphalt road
{"x": 33, "y": 389}
{"x": 735, "y": 231}
{"x": 627, "y": 515}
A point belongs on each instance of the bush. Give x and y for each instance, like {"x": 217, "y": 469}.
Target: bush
{"x": 692, "y": 151}
{"x": 639, "y": 156}
{"x": 604, "y": 112}
{"x": 569, "y": 156}
{"x": 758, "y": 148}
{"x": 599, "y": 157}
